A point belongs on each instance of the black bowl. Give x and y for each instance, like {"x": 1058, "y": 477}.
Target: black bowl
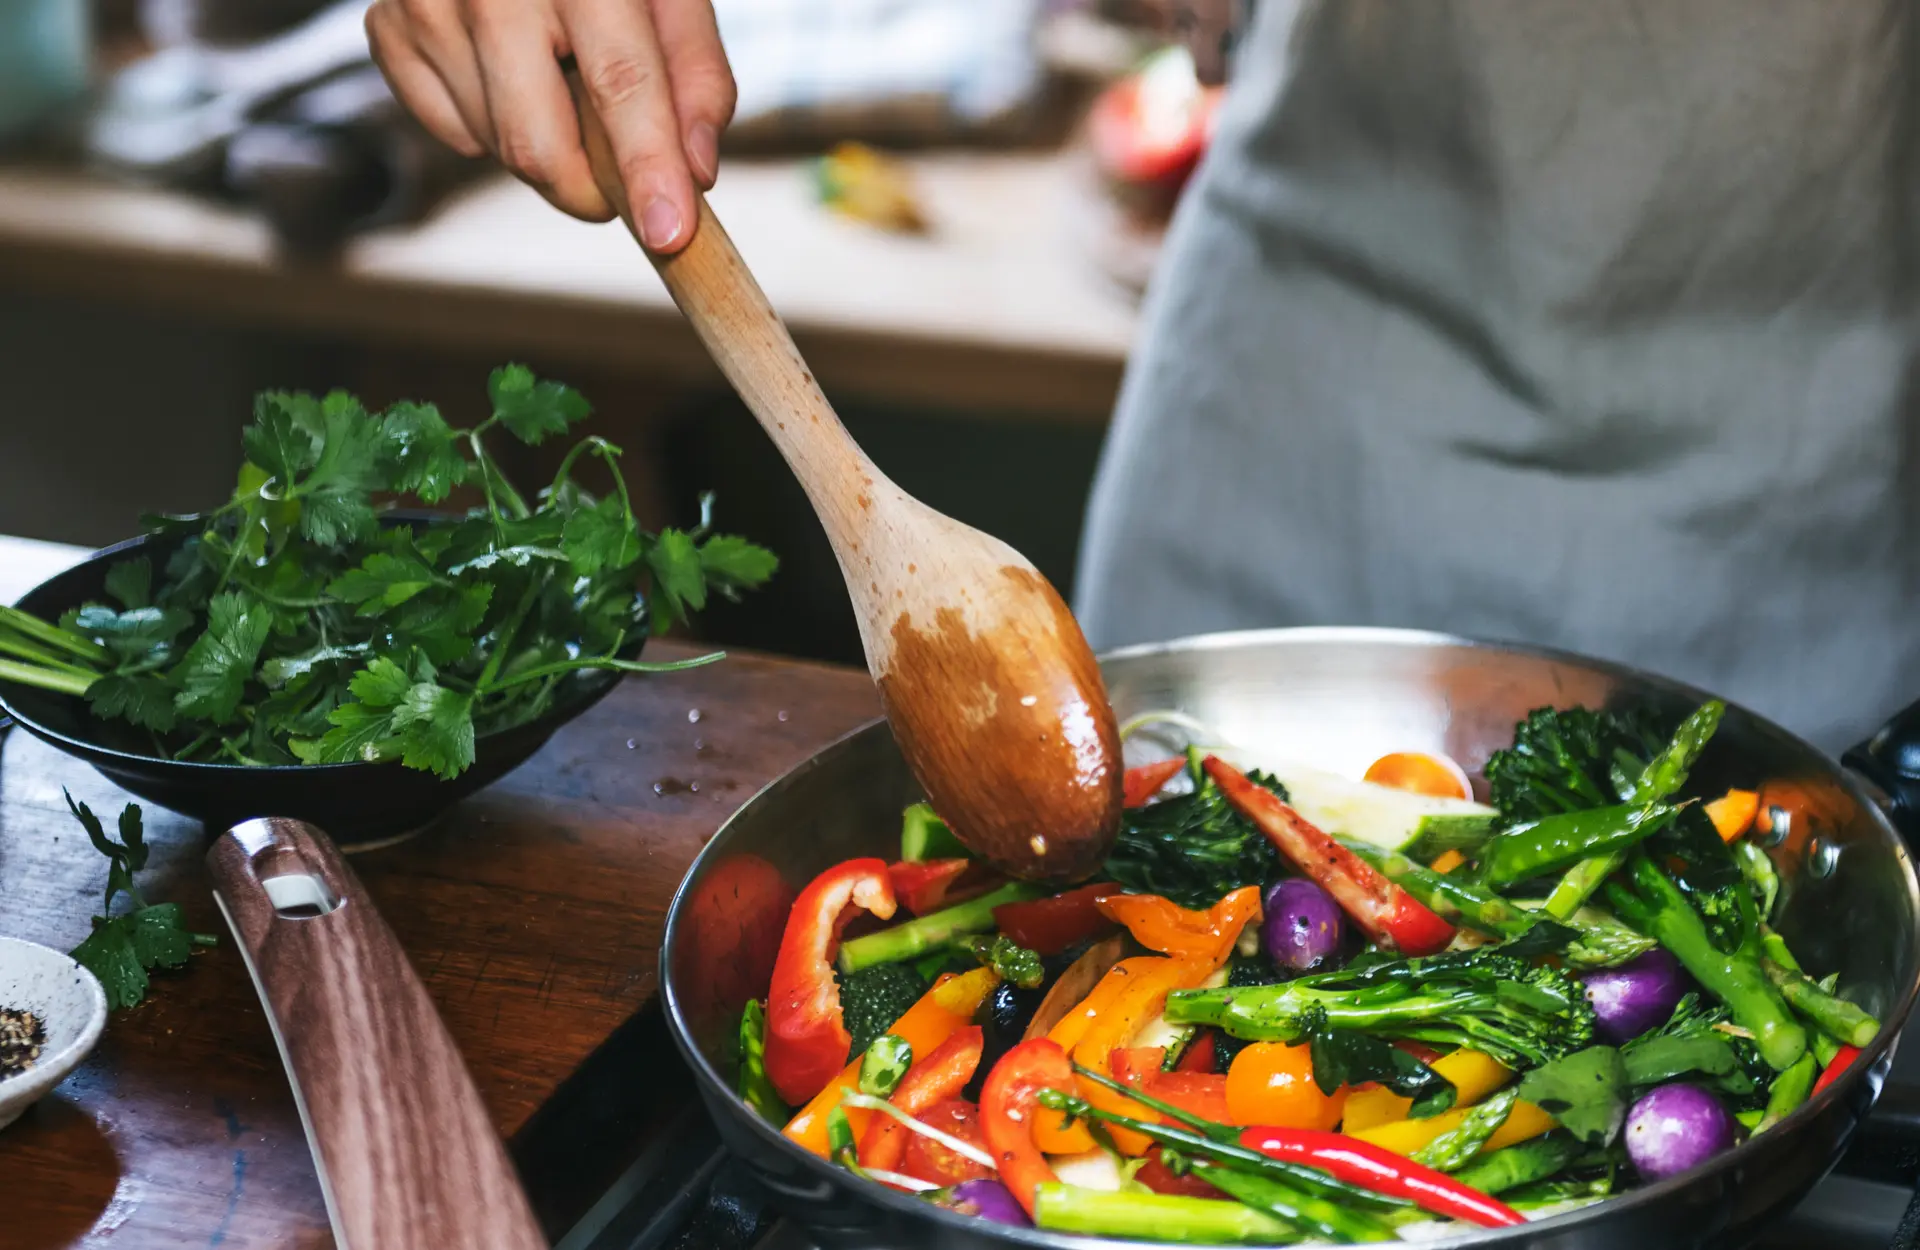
{"x": 356, "y": 803}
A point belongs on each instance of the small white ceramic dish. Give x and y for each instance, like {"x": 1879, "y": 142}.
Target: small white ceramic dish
{"x": 71, "y": 1005}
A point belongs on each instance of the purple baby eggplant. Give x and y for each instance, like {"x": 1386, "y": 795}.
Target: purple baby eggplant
{"x": 1303, "y": 925}
{"x": 1638, "y": 995}
{"x": 1675, "y": 1128}
{"x": 988, "y": 1199}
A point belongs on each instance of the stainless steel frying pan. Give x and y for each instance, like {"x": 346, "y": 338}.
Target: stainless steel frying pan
{"x": 1337, "y": 699}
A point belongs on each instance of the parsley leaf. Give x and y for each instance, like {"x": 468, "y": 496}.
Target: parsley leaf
{"x": 278, "y": 442}
{"x": 122, "y": 949}
{"x": 678, "y": 581}
{"x": 138, "y": 635}
{"x": 145, "y": 701}
{"x": 382, "y": 581}
{"x": 213, "y": 676}
{"x": 422, "y": 451}
{"x": 131, "y": 582}
{"x": 533, "y": 409}
{"x": 600, "y": 537}
{"x": 731, "y": 563}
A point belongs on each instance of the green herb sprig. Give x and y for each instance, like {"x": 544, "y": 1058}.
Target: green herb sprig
{"x": 122, "y": 949}
{"x": 289, "y": 625}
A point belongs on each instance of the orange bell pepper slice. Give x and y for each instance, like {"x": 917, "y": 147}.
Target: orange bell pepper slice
{"x": 1129, "y": 1013}
{"x": 1733, "y": 812}
{"x": 1162, "y": 925}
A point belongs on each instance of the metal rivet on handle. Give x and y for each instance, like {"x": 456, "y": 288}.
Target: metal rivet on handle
{"x": 1823, "y": 855}
{"x": 1776, "y": 823}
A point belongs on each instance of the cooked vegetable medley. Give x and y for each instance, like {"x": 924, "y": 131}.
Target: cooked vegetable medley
{"x": 1297, "y": 1007}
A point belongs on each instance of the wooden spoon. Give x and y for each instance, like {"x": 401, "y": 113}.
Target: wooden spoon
{"x": 990, "y": 687}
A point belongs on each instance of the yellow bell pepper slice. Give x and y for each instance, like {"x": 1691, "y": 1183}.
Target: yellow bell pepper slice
{"x": 1474, "y": 1075}
{"x": 941, "y": 1012}
{"x": 1403, "y": 1137}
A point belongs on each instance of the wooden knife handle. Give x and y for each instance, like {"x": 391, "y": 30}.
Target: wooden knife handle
{"x": 408, "y": 1159}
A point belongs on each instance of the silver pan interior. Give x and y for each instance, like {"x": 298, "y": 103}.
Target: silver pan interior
{"x": 1337, "y": 699}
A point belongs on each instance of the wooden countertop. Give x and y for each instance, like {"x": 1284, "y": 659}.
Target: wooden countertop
{"x": 532, "y": 913}
{"x": 1003, "y": 307}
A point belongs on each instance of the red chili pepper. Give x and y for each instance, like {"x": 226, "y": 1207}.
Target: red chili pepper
{"x": 1385, "y": 912}
{"x": 1138, "y": 785}
{"x": 807, "y": 1041}
{"x": 1008, "y": 1105}
{"x": 1381, "y": 1170}
{"x": 1199, "y": 1054}
{"x": 938, "y": 1075}
{"x": 1841, "y": 1058}
{"x": 939, "y": 1164}
{"x": 1051, "y": 925}
{"x": 921, "y": 886}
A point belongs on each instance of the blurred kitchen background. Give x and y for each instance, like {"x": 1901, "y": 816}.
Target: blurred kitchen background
{"x": 954, "y": 204}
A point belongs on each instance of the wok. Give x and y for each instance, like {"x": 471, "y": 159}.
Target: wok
{"x": 1336, "y": 699}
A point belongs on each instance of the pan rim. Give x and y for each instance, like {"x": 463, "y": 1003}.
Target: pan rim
{"x": 1872, "y": 1064}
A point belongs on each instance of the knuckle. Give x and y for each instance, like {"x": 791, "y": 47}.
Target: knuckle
{"x": 619, "y": 80}
{"x": 524, "y": 155}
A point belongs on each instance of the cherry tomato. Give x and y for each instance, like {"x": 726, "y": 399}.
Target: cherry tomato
{"x": 1417, "y": 773}
{"x": 1271, "y": 1084}
{"x": 931, "y": 1161}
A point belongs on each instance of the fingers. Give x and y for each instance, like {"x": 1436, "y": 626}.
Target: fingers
{"x": 626, "y": 80}
{"x": 700, "y": 79}
{"x": 536, "y": 131}
{"x": 415, "y": 83}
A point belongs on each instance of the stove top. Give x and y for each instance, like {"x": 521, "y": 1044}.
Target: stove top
{"x": 624, "y": 1158}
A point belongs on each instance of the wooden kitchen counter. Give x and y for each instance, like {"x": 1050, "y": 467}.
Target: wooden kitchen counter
{"x": 1002, "y": 308}
{"x": 532, "y": 912}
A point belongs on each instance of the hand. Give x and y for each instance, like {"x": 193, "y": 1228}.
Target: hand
{"x": 484, "y": 76}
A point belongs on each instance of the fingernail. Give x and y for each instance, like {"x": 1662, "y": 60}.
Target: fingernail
{"x": 703, "y": 149}
{"x": 659, "y": 223}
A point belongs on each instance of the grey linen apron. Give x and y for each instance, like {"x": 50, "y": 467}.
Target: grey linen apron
{"x": 1575, "y": 322}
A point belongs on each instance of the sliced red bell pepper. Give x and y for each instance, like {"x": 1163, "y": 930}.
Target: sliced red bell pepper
{"x": 939, "y": 1164}
{"x": 1137, "y": 785}
{"x": 1381, "y": 1170}
{"x": 1385, "y": 912}
{"x": 1198, "y": 1093}
{"x": 1199, "y": 1054}
{"x": 807, "y": 1041}
{"x": 934, "y": 1077}
{"x": 1158, "y": 1177}
{"x": 921, "y": 886}
{"x": 1051, "y": 925}
{"x": 1831, "y": 1073}
{"x": 1008, "y": 1103}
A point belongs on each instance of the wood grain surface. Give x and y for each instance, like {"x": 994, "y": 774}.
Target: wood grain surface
{"x": 405, "y": 1154}
{"x": 532, "y": 913}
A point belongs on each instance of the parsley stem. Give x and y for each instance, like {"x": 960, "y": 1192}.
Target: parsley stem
{"x": 38, "y": 630}
{"x": 623, "y": 666}
{"x": 45, "y": 678}
{"x": 507, "y": 635}
{"x": 486, "y": 479}
{"x": 18, "y": 647}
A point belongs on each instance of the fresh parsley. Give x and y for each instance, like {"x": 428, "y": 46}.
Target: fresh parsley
{"x": 299, "y": 623}
{"x": 122, "y": 949}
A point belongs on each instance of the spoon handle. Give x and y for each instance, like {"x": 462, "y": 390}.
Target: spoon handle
{"x": 737, "y": 324}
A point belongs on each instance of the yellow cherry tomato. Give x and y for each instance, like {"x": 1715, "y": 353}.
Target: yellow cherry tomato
{"x": 1271, "y": 1083}
{"x": 1418, "y": 773}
